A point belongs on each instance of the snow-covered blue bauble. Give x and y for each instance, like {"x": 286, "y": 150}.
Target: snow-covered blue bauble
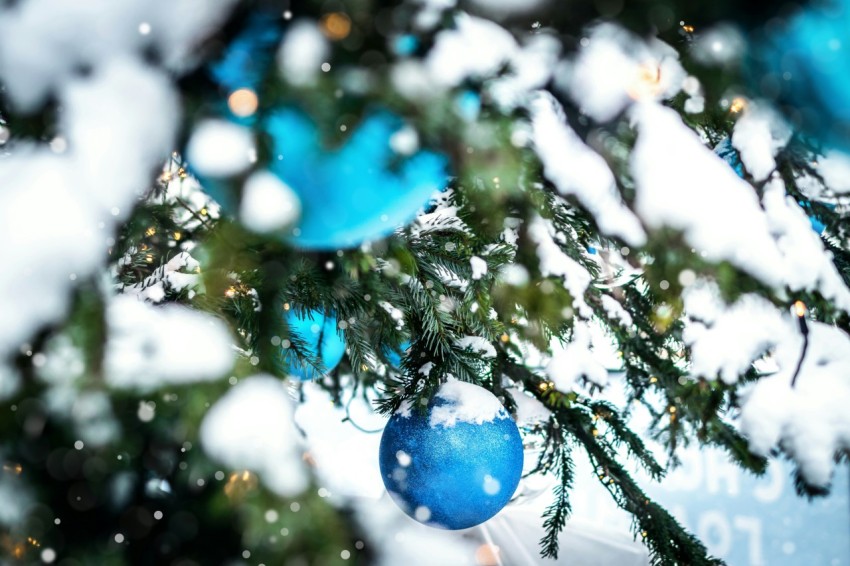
{"x": 322, "y": 337}
{"x": 804, "y": 64}
{"x": 455, "y": 465}
{"x": 363, "y": 189}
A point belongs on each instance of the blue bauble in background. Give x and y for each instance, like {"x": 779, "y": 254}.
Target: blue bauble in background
{"x": 360, "y": 191}
{"x": 394, "y": 356}
{"x": 323, "y": 339}
{"x": 456, "y": 465}
{"x": 373, "y": 183}
{"x": 804, "y": 64}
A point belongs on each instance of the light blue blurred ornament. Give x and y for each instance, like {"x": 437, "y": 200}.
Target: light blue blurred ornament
{"x": 360, "y": 191}
{"x": 456, "y": 465}
{"x": 405, "y": 45}
{"x": 468, "y": 104}
{"x": 394, "y": 356}
{"x": 244, "y": 62}
{"x": 322, "y": 337}
{"x": 805, "y": 65}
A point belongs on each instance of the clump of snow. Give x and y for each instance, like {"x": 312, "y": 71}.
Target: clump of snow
{"x": 616, "y": 68}
{"x": 466, "y": 403}
{"x": 60, "y": 208}
{"x": 442, "y": 217}
{"x": 252, "y": 428}
{"x": 807, "y": 265}
{"x": 529, "y": 410}
{"x": 834, "y": 168}
{"x": 268, "y": 204}
{"x": 476, "y": 48}
{"x": 810, "y": 420}
{"x": 736, "y": 337}
{"x": 479, "y": 267}
{"x": 148, "y": 347}
{"x": 44, "y": 43}
{"x": 179, "y": 273}
{"x": 577, "y": 170}
{"x": 575, "y": 361}
{"x": 615, "y": 311}
{"x": 219, "y": 148}
{"x": 758, "y": 135}
{"x": 302, "y": 53}
{"x": 683, "y": 185}
{"x": 478, "y": 345}
{"x": 555, "y": 263}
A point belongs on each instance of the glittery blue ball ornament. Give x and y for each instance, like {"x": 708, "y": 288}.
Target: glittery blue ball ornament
{"x": 804, "y": 64}
{"x": 455, "y": 465}
{"x": 322, "y": 337}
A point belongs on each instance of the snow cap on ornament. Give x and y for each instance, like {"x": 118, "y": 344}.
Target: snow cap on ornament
{"x": 331, "y": 196}
{"x": 455, "y": 465}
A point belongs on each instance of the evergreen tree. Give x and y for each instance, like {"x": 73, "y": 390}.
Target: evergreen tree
{"x": 570, "y": 158}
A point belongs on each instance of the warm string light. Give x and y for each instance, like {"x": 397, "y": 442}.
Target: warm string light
{"x": 336, "y": 26}
{"x": 243, "y": 102}
{"x": 647, "y": 82}
{"x": 800, "y": 308}
{"x": 738, "y": 105}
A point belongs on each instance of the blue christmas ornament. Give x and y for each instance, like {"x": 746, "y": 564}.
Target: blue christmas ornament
{"x": 358, "y": 192}
{"x": 405, "y": 45}
{"x": 468, "y": 105}
{"x": 247, "y": 58}
{"x": 805, "y": 65}
{"x": 323, "y": 338}
{"x": 456, "y": 465}
{"x": 394, "y": 356}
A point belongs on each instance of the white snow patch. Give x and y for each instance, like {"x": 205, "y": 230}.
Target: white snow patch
{"x": 252, "y": 427}
{"x": 219, "y": 148}
{"x": 479, "y": 267}
{"x": 617, "y": 68}
{"x": 179, "y": 273}
{"x": 467, "y": 403}
{"x": 758, "y": 135}
{"x": 302, "y": 53}
{"x": 478, "y": 345}
{"x": 576, "y": 360}
{"x": 148, "y": 347}
{"x": 809, "y": 421}
{"x": 807, "y": 265}
{"x": 268, "y": 204}
{"x": 477, "y": 48}
{"x": 59, "y": 209}
{"x": 577, "y": 170}
{"x": 615, "y": 311}
{"x": 554, "y": 262}
{"x": 834, "y": 168}
{"x": 683, "y": 185}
